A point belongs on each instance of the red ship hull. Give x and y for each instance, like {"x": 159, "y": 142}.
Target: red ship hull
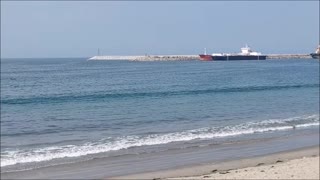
{"x": 204, "y": 57}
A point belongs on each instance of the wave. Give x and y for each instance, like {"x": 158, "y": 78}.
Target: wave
{"x": 105, "y": 145}
{"x": 103, "y": 95}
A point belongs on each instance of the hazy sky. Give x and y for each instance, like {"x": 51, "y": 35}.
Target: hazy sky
{"x": 78, "y": 29}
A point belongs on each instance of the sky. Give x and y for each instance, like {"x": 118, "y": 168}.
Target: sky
{"x": 78, "y": 28}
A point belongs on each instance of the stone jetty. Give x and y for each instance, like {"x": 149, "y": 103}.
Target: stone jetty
{"x": 188, "y": 57}
{"x": 288, "y": 56}
{"x": 149, "y": 58}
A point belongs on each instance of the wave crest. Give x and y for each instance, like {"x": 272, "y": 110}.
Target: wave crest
{"x": 105, "y": 145}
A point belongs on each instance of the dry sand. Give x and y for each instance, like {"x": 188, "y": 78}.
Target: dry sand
{"x": 304, "y": 168}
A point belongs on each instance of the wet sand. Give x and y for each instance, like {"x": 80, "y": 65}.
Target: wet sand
{"x": 296, "y": 164}
{"x": 193, "y": 161}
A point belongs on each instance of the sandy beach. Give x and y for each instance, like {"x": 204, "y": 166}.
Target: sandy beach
{"x": 303, "y": 168}
{"x": 297, "y": 164}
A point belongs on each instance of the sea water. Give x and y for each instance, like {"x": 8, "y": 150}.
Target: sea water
{"x": 56, "y": 111}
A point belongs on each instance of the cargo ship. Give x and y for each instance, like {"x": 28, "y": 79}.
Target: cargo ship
{"x": 245, "y": 54}
{"x": 205, "y": 56}
{"x": 316, "y": 55}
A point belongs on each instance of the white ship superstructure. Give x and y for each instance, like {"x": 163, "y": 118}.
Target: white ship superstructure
{"x": 247, "y": 51}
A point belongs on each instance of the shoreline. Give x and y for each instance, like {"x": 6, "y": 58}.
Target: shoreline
{"x": 208, "y": 170}
{"x": 191, "y": 161}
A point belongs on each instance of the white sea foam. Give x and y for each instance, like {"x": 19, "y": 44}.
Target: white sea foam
{"x": 308, "y": 124}
{"x": 55, "y": 152}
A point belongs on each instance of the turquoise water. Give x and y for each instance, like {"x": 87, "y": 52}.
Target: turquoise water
{"x": 65, "y": 110}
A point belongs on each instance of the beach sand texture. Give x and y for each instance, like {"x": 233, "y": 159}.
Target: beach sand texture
{"x": 303, "y": 168}
{"x": 300, "y": 163}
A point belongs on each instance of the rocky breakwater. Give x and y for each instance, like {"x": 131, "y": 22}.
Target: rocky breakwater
{"x": 288, "y": 56}
{"x": 148, "y": 58}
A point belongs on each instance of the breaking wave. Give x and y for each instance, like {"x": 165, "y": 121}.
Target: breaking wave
{"x": 54, "y": 152}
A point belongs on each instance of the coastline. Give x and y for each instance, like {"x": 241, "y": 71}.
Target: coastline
{"x": 237, "y": 168}
{"x": 193, "y": 161}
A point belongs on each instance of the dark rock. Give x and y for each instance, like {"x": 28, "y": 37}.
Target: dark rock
{"x": 260, "y": 164}
{"x": 214, "y": 171}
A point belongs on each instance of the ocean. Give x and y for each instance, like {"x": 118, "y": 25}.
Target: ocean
{"x": 70, "y": 110}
